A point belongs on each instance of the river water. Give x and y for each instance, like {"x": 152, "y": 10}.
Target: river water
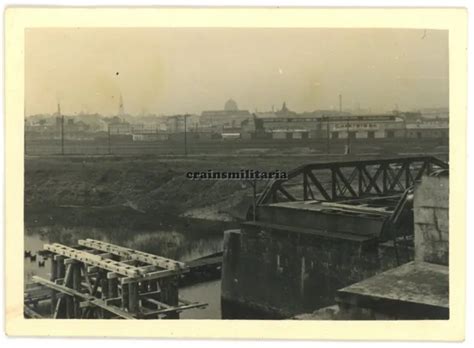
{"x": 183, "y": 245}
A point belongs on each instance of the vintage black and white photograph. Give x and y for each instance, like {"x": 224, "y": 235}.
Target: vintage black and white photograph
{"x": 236, "y": 173}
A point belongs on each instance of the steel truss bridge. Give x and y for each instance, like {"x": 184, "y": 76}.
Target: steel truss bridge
{"x": 340, "y": 181}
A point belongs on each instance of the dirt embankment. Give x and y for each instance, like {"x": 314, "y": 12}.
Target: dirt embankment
{"x": 143, "y": 185}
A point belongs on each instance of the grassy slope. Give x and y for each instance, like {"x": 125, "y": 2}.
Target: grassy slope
{"x": 147, "y": 184}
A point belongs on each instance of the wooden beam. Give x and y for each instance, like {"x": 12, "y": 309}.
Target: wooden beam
{"x": 113, "y": 300}
{"x": 148, "y": 276}
{"x": 133, "y": 254}
{"x": 94, "y": 260}
{"x": 59, "y": 303}
{"x": 157, "y": 303}
{"x": 150, "y": 293}
{"x": 173, "y": 309}
{"x": 93, "y": 300}
{"x": 30, "y": 313}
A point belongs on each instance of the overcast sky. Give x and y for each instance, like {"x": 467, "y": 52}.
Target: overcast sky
{"x": 173, "y": 71}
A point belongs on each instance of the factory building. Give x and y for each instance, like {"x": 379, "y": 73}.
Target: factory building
{"x": 363, "y": 127}
{"x": 336, "y": 127}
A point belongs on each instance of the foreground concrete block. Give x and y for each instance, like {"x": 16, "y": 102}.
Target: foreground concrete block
{"x": 432, "y": 220}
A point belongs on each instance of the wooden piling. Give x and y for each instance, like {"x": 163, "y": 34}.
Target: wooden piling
{"x": 76, "y": 285}
{"x": 104, "y": 284}
{"x": 69, "y": 299}
{"x": 52, "y": 277}
{"x": 60, "y": 273}
{"x": 112, "y": 287}
{"x": 143, "y": 286}
{"x": 61, "y": 268}
{"x": 170, "y": 287}
{"x": 133, "y": 297}
{"x": 154, "y": 287}
{"x": 124, "y": 296}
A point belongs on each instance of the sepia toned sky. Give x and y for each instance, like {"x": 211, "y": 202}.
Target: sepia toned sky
{"x": 173, "y": 71}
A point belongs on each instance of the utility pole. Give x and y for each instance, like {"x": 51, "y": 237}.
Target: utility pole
{"x": 348, "y": 140}
{"x": 62, "y": 134}
{"x": 327, "y": 135}
{"x": 108, "y": 140}
{"x": 62, "y": 128}
{"x": 185, "y": 135}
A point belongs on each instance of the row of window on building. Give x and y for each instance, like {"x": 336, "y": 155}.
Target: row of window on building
{"x": 379, "y": 134}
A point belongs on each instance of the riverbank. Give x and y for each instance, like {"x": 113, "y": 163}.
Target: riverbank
{"x": 109, "y": 190}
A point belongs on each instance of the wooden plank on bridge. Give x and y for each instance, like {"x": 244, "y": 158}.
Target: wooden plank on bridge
{"x": 132, "y": 254}
{"x": 148, "y": 276}
{"x": 95, "y": 260}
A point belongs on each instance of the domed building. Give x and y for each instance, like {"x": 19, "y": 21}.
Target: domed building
{"x": 229, "y": 118}
{"x": 231, "y": 105}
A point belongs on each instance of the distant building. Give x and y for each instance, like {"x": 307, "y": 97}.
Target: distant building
{"x": 231, "y": 105}
{"x": 140, "y": 128}
{"x": 285, "y": 112}
{"x": 231, "y": 116}
{"x": 435, "y": 113}
{"x": 175, "y": 124}
{"x": 427, "y": 123}
{"x": 150, "y": 137}
{"x": 137, "y": 128}
{"x": 335, "y": 127}
{"x": 230, "y": 135}
{"x": 266, "y": 114}
{"x": 363, "y": 127}
{"x": 428, "y": 129}
{"x": 120, "y": 128}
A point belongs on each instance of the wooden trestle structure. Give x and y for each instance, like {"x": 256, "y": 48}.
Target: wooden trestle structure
{"x": 106, "y": 281}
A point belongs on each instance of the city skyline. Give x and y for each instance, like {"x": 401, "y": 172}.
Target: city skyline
{"x": 176, "y": 71}
{"x": 273, "y": 108}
